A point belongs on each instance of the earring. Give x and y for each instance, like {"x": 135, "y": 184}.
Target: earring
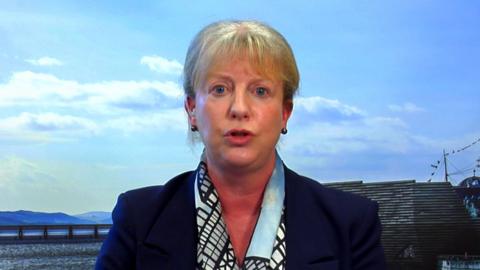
{"x": 193, "y": 128}
{"x": 284, "y": 131}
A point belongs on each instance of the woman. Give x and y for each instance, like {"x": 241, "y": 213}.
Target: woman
{"x": 242, "y": 208}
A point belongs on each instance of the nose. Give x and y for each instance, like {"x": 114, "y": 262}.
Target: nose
{"x": 239, "y": 108}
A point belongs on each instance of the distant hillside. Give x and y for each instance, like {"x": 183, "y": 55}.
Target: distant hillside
{"x": 7, "y": 221}
{"x": 98, "y": 217}
{"x": 23, "y": 217}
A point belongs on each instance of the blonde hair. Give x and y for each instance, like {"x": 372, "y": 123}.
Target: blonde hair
{"x": 266, "y": 48}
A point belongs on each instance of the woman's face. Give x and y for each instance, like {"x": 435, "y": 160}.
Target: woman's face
{"x": 239, "y": 114}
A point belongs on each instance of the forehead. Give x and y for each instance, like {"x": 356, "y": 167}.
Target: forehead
{"x": 238, "y": 66}
{"x": 264, "y": 68}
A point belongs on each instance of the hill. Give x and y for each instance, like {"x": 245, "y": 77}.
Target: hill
{"x": 23, "y": 217}
{"x": 99, "y": 217}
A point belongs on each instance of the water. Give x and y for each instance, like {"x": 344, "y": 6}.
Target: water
{"x": 51, "y": 256}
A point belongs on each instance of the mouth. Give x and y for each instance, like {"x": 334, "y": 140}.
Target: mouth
{"x": 238, "y": 133}
{"x": 238, "y": 137}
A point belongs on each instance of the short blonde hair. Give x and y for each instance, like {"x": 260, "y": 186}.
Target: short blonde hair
{"x": 266, "y": 48}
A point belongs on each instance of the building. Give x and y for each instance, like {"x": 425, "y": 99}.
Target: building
{"x": 421, "y": 222}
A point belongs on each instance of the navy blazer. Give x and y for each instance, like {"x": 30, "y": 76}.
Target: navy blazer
{"x": 155, "y": 228}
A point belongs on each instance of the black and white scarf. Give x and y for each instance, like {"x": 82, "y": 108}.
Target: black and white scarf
{"x": 267, "y": 248}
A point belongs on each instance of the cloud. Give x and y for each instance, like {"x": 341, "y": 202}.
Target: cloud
{"x": 407, "y": 107}
{"x": 350, "y": 148}
{"x": 319, "y": 108}
{"x": 369, "y": 134}
{"x": 162, "y": 65}
{"x": 49, "y": 108}
{"x": 46, "y": 127}
{"x": 109, "y": 97}
{"x": 168, "y": 120}
{"x": 316, "y": 104}
{"x": 45, "y": 61}
{"x": 47, "y": 122}
{"x": 50, "y": 127}
{"x": 333, "y": 140}
{"x": 15, "y": 172}
{"x": 34, "y": 185}
{"x": 321, "y": 128}
{"x": 135, "y": 96}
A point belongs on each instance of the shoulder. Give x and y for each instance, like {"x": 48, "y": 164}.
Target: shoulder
{"x": 336, "y": 197}
{"x": 147, "y": 196}
{"x": 133, "y": 216}
{"x": 142, "y": 201}
{"x": 350, "y": 222}
{"x": 342, "y": 206}
{"x": 139, "y": 208}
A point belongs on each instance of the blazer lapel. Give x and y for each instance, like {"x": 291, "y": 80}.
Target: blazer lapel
{"x": 307, "y": 233}
{"x": 171, "y": 242}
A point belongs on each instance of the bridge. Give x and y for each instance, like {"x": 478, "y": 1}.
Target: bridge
{"x": 29, "y": 233}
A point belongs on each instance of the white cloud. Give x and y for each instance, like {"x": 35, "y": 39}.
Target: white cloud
{"x": 323, "y": 126}
{"x": 109, "y": 97}
{"x": 47, "y": 122}
{"x": 316, "y": 104}
{"x": 46, "y": 127}
{"x": 50, "y": 109}
{"x": 167, "y": 120}
{"x": 45, "y": 61}
{"x": 33, "y": 89}
{"x": 344, "y": 149}
{"x": 307, "y": 109}
{"x": 32, "y": 185}
{"x": 162, "y": 65}
{"x": 16, "y": 172}
{"x": 370, "y": 134}
{"x": 406, "y": 107}
{"x": 50, "y": 127}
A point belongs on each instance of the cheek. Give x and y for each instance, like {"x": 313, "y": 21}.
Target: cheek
{"x": 206, "y": 115}
{"x": 274, "y": 116}
{"x": 208, "y": 122}
{"x": 200, "y": 109}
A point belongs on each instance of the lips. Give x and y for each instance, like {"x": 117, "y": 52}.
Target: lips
{"x": 238, "y": 132}
{"x": 238, "y": 137}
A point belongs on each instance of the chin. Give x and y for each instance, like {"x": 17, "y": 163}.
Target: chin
{"x": 239, "y": 157}
{"x": 243, "y": 158}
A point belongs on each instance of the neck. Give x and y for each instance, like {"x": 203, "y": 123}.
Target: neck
{"x": 240, "y": 191}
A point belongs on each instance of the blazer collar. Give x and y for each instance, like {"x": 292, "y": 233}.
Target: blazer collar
{"x": 308, "y": 234}
{"x": 173, "y": 237}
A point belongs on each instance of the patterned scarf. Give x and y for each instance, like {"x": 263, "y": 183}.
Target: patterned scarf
{"x": 267, "y": 249}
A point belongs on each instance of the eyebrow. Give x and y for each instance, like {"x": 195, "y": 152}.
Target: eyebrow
{"x": 224, "y": 76}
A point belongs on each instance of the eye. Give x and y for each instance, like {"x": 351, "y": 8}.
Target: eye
{"x": 219, "y": 90}
{"x": 261, "y": 91}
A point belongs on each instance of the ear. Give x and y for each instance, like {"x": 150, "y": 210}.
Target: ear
{"x": 287, "y": 111}
{"x": 190, "y": 109}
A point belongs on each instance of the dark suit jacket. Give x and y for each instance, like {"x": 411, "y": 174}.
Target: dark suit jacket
{"x": 155, "y": 228}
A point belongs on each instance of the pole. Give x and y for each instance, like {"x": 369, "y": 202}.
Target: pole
{"x": 445, "y": 165}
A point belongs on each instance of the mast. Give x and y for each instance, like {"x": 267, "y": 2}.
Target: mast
{"x": 445, "y": 165}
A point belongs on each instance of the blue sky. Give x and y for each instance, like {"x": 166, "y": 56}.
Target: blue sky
{"x": 91, "y": 98}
